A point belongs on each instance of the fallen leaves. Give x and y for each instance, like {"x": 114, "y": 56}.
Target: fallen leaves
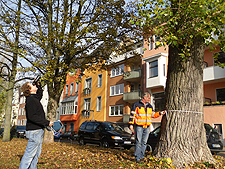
{"x": 67, "y": 155}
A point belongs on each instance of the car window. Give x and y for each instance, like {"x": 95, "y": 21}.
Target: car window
{"x": 96, "y": 126}
{"x": 209, "y": 128}
{"x": 82, "y": 126}
{"x": 21, "y": 127}
{"x": 156, "y": 131}
{"x": 113, "y": 126}
{"x": 90, "y": 126}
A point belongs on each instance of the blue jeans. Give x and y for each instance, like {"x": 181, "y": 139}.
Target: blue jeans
{"x": 141, "y": 140}
{"x": 33, "y": 149}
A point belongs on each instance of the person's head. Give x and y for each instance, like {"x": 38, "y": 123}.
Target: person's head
{"x": 27, "y": 89}
{"x": 146, "y": 97}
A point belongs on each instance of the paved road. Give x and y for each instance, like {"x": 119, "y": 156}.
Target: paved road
{"x": 222, "y": 153}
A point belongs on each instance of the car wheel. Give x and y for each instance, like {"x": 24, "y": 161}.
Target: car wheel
{"x": 105, "y": 143}
{"x": 149, "y": 147}
{"x": 81, "y": 141}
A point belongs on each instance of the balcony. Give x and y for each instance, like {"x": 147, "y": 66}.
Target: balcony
{"x": 132, "y": 97}
{"x": 87, "y": 91}
{"x": 213, "y": 73}
{"x": 132, "y": 75}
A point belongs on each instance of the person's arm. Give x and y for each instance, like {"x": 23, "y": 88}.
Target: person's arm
{"x": 39, "y": 93}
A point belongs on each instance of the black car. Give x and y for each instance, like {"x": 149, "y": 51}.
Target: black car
{"x": 68, "y": 135}
{"x": 1, "y": 132}
{"x": 18, "y": 131}
{"x": 105, "y": 134}
{"x": 212, "y": 136}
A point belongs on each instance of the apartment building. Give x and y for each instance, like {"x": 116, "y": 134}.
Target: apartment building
{"x": 155, "y": 63}
{"x": 93, "y": 94}
{"x": 69, "y": 109}
{"x": 214, "y": 90}
{"x": 124, "y": 84}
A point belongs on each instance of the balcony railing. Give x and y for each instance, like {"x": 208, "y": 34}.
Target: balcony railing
{"x": 132, "y": 75}
{"x": 132, "y": 96}
{"x": 87, "y": 91}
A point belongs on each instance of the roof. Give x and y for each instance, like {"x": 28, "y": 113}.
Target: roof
{"x": 69, "y": 99}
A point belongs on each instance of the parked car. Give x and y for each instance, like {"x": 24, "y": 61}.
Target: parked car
{"x": 57, "y": 135}
{"x": 212, "y": 136}
{"x": 105, "y": 134}
{"x": 1, "y": 132}
{"x": 18, "y": 131}
{"x": 69, "y": 135}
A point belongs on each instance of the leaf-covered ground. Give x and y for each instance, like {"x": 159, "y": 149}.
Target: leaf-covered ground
{"x": 67, "y": 155}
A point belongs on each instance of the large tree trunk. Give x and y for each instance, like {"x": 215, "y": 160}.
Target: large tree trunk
{"x": 183, "y": 136}
{"x": 8, "y": 112}
{"x": 15, "y": 48}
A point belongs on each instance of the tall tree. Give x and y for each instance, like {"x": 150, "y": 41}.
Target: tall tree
{"x": 187, "y": 27}
{"x": 9, "y": 50}
{"x": 63, "y": 33}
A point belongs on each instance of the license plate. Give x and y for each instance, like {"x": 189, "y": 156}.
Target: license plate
{"x": 127, "y": 142}
{"x": 216, "y": 145}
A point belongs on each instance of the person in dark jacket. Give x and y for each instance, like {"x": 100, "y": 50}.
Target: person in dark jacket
{"x": 36, "y": 122}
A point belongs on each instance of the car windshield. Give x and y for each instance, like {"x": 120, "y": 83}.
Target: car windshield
{"x": 209, "y": 128}
{"x": 21, "y": 127}
{"x": 113, "y": 126}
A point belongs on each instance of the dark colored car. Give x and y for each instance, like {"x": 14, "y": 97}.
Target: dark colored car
{"x": 57, "y": 135}
{"x": 18, "y": 131}
{"x": 105, "y": 134}
{"x": 212, "y": 136}
{"x": 69, "y": 135}
{"x": 1, "y": 132}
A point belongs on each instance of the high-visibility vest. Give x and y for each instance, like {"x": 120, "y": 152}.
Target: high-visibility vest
{"x": 142, "y": 114}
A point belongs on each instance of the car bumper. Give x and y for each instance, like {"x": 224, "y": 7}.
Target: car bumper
{"x": 120, "y": 143}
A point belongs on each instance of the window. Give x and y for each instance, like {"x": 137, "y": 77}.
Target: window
{"x": 87, "y": 87}
{"x": 220, "y": 58}
{"x": 116, "y": 110}
{"x": 116, "y": 90}
{"x": 151, "y": 43}
{"x": 117, "y": 71}
{"x": 21, "y": 111}
{"x": 65, "y": 126}
{"x": 71, "y": 88}
{"x": 99, "y": 80}
{"x": 69, "y": 108}
{"x": 153, "y": 69}
{"x": 71, "y": 127}
{"x": 67, "y": 90}
{"x": 220, "y": 94}
{"x": 158, "y": 101}
{"x": 76, "y": 88}
{"x": 99, "y": 101}
{"x": 22, "y": 99}
{"x": 87, "y": 104}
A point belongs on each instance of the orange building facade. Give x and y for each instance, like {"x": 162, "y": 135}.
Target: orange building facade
{"x": 70, "y": 110}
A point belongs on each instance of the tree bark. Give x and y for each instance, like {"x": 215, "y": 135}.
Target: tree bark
{"x": 183, "y": 136}
{"x": 11, "y": 77}
{"x": 52, "y": 107}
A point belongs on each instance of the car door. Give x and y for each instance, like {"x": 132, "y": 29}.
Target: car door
{"x": 96, "y": 131}
{"x": 89, "y": 132}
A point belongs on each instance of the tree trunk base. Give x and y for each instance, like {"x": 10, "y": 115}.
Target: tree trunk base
{"x": 185, "y": 156}
{"x": 48, "y": 137}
